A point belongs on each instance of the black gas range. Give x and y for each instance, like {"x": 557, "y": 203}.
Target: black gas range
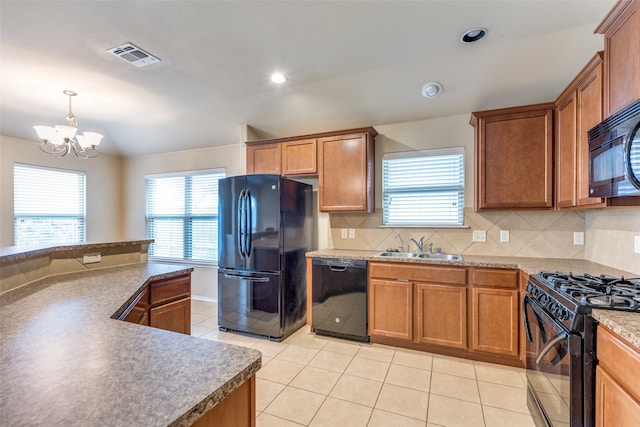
{"x": 560, "y": 347}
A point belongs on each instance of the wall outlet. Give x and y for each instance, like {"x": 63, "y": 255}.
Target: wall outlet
{"x": 91, "y": 258}
{"x": 479, "y": 235}
{"x": 578, "y": 238}
{"x": 636, "y": 245}
{"x": 344, "y": 233}
{"x": 504, "y": 236}
{"x": 352, "y": 233}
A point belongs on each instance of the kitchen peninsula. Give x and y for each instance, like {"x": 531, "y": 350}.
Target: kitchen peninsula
{"x": 65, "y": 359}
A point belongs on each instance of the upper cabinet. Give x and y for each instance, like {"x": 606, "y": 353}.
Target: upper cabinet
{"x": 343, "y": 161}
{"x": 578, "y": 109}
{"x": 621, "y": 29}
{"x": 514, "y": 157}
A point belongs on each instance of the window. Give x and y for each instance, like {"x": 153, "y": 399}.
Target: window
{"x": 48, "y": 205}
{"x": 423, "y": 188}
{"x": 182, "y": 215}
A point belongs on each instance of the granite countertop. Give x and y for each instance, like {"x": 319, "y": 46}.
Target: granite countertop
{"x": 65, "y": 360}
{"x": 13, "y": 253}
{"x": 625, "y": 324}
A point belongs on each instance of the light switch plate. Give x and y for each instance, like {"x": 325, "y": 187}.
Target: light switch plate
{"x": 343, "y": 233}
{"x": 578, "y": 238}
{"x": 504, "y": 236}
{"x": 479, "y": 235}
{"x": 352, "y": 233}
{"x": 91, "y": 258}
{"x": 636, "y": 244}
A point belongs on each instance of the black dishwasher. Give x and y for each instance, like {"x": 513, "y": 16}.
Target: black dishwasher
{"x": 339, "y": 298}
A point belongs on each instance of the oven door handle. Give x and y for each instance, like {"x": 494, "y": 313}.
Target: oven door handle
{"x": 527, "y": 327}
{"x": 558, "y": 338}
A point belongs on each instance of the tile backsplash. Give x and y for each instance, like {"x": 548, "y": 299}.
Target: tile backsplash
{"x": 540, "y": 234}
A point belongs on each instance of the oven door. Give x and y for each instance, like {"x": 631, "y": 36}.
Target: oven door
{"x": 554, "y": 368}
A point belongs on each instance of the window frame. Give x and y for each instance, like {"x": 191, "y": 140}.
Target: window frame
{"x": 187, "y": 217}
{"x": 459, "y": 187}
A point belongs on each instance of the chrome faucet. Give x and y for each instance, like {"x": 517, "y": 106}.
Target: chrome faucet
{"x": 419, "y": 243}
{"x": 430, "y": 248}
{"x": 401, "y": 242}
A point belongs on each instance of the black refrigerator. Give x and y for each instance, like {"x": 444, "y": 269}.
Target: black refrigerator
{"x": 265, "y": 228}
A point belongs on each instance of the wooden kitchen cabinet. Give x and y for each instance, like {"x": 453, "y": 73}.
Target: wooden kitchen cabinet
{"x": 621, "y": 29}
{"x": 391, "y": 309}
{"x": 300, "y": 157}
{"x": 617, "y": 388}
{"x": 441, "y": 315}
{"x": 514, "y": 157}
{"x": 578, "y": 109}
{"x": 139, "y": 309}
{"x": 263, "y": 158}
{"x": 345, "y": 164}
{"x": 495, "y": 312}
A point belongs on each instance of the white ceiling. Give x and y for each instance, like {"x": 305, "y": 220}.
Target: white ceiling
{"x": 348, "y": 63}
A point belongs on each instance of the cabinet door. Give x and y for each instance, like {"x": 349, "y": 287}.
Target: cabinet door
{"x": 174, "y": 316}
{"x": 300, "y": 157}
{"x": 495, "y": 321}
{"x": 566, "y": 152}
{"x": 514, "y": 158}
{"x": 391, "y": 309}
{"x": 346, "y": 173}
{"x": 589, "y": 114}
{"x": 614, "y": 406}
{"x": 441, "y": 315}
{"x": 263, "y": 158}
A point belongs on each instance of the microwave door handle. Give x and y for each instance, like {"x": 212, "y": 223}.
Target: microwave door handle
{"x": 560, "y": 337}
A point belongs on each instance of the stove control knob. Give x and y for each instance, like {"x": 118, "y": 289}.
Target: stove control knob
{"x": 562, "y": 313}
{"x": 543, "y": 299}
{"x": 553, "y": 307}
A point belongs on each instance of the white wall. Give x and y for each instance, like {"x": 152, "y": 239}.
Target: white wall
{"x": 104, "y": 188}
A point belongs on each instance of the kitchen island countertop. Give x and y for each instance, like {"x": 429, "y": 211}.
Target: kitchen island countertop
{"x": 66, "y": 360}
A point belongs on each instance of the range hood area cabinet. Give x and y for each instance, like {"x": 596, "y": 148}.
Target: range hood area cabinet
{"x": 342, "y": 160}
{"x": 514, "y": 157}
{"x": 578, "y": 109}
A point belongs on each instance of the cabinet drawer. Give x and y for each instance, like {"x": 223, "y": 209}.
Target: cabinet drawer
{"x": 163, "y": 291}
{"x": 620, "y": 360}
{"x": 495, "y": 278}
{"x": 422, "y": 273}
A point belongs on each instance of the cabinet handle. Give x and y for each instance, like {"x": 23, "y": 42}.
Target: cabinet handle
{"x": 402, "y": 280}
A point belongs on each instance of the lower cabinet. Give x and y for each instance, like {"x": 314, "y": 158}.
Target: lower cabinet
{"x": 617, "y": 388}
{"x": 164, "y": 304}
{"x": 237, "y": 409}
{"x": 464, "y": 312}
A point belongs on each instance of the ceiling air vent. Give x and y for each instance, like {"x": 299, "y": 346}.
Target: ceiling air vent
{"x": 133, "y": 55}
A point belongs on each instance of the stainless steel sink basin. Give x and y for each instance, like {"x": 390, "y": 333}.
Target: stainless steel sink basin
{"x": 422, "y": 255}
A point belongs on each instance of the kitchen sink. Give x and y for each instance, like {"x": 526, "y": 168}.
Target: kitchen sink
{"x": 422, "y": 255}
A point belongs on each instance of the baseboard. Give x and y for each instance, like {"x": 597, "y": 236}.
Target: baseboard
{"x": 201, "y": 298}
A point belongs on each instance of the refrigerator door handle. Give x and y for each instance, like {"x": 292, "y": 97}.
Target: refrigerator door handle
{"x": 249, "y": 219}
{"x": 247, "y": 278}
{"x": 240, "y": 223}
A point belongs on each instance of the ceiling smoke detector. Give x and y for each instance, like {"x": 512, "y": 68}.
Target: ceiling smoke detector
{"x": 431, "y": 89}
{"x": 133, "y": 55}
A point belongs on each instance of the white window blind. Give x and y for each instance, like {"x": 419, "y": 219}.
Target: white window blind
{"x": 48, "y": 205}
{"x": 182, "y": 215}
{"x": 423, "y": 188}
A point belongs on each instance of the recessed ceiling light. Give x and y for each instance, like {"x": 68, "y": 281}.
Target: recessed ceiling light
{"x": 473, "y": 35}
{"x": 277, "y": 78}
{"x": 431, "y": 89}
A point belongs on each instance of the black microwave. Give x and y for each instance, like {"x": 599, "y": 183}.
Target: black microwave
{"x": 614, "y": 154}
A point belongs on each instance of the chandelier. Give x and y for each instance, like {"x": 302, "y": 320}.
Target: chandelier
{"x": 60, "y": 140}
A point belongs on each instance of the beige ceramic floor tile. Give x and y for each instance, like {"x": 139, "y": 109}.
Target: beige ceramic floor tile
{"x": 295, "y": 405}
{"x": 403, "y": 401}
{"x": 332, "y": 361}
{"x": 209, "y": 322}
{"x": 382, "y": 354}
{"x": 387, "y": 419}
{"x": 316, "y": 380}
{"x": 280, "y": 371}
{"x": 454, "y": 366}
{"x": 367, "y": 368}
{"x": 269, "y": 348}
{"x": 498, "y": 374}
{"x": 338, "y": 413}
{"x": 504, "y": 397}
{"x": 266, "y": 391}
{"x": 455, "y": 387}
{"x": 298, "y": 354}
{"x": 357, "y": 390}
{"x": 495, "y": 417}
{"x": 405, "y": 376}
{"x": 342, "y": 347}
{"x": 449, "y": 412}
{"x": 308, "y": 340}
{"x": 414, "y": 359}
{"x": 266, "y": 420}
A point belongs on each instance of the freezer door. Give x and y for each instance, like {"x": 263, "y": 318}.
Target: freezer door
{"x": 230, "y": 238}
{"x": 264, "y": 227}
{"x": 250, "y": 302}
